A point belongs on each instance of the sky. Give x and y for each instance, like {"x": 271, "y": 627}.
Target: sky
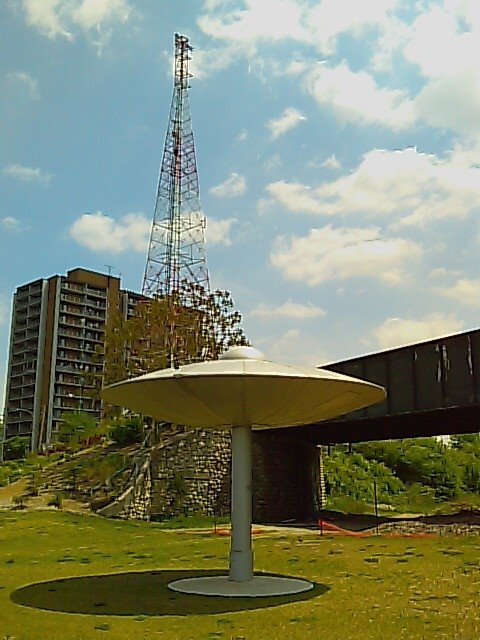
{"x": 338, "y": 150}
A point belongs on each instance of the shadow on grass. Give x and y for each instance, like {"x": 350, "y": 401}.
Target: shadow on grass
{"x": 141, "y": 593}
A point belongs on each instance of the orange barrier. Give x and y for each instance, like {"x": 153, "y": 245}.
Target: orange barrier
{"x": 227, "y": 532}
{"x": 330, "y": 528}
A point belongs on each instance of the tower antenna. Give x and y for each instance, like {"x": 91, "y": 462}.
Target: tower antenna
{"x": 176, "y": 251}
{"x": 176, "y": 268}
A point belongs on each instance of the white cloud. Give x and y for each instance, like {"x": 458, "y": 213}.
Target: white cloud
{"x": 48, "y": 16}
{"x": 392, "y": 40}
{"x": 289, "y": 119}
{"x": 442, "y": 272}
{"x": 102, "y": 233}
{"x": 10, "y": 223}
{"x": 27, "y": 174}
{"x": 396, "y": 332}
{"x": 269, "y": 20}
{"x": 295, "y": 197}
{"x": 331, "y": 163}
{"x": 356, "y": 97}
{"x": 60, "y": 18}
{"x": 441, "y": 39}
{"x": 206, "y": 62}
{"x": 408, "y": 187}
{"x": 289, "y": 309}
{"x": 330, "y": 18}
{"x": 273, "y": 162}
{"x": 91, "y": 14}
{"x": 336, "y": 254}
{"x": 444, "y": 43}
{"x": 251, "y": 22}
{"x": 452, "y": 102}
{"x": 438, "y": 43}
{"x": 464, "y": 291}
{"x": 293, "y": 347}
{"x": 218, "y": 231}
{"x": 234, "y": 185}
{"x": 27, "y": 80}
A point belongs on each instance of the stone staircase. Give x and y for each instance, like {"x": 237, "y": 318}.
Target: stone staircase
{"x": 176, "y": 471}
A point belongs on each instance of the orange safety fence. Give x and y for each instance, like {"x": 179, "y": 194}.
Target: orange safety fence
{"x": 332, "y": 529}
{"x": 227, "y": 532}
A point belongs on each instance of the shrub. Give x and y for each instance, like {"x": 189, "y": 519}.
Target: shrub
{"x": 19, "y": 502}
{"x": 76, "y": 426}
{"x": 15, "y": 448}
{"x": 55, "y": 501}
{"x": 126, "y": 431}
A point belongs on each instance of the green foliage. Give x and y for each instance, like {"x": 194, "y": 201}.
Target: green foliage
{"x": 16, "y": 448}
{"x": 412, "y": 474}
{"x": 56, "y": 501}
{"x": 97, "y": 470}
{"x": 352, "y": 475}
{"x": 76, "y": 426}
{"x": 347, "y": 504}
{"x": 448, "y": 470}
{"x": 126, "y": 431}
{"x": 186, "y": 326}
{"x": 177, "y": 490}
{"x": 34, "y": 482}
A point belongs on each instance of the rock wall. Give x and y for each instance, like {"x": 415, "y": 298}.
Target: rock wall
{"x": 135, "y": 502}
{"x": 190, "y": 474}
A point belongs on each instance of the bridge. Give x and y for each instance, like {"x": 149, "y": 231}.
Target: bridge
{"x": 433, "y": 389}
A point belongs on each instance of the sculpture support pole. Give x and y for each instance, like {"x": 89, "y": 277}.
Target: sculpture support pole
{"x": 241, "y": 556}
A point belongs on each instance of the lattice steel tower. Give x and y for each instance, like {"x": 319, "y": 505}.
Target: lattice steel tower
{"x": 176, "y": 251}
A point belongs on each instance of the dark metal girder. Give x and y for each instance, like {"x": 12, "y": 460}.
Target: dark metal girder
{"x": 438, "y": 422}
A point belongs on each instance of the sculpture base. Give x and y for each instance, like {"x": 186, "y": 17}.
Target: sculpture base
{"x": 258, "y": 587}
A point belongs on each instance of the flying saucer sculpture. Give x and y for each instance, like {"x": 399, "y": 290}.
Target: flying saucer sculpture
{"x": 243, "y": 391}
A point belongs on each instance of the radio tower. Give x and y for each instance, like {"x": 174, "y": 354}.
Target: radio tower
{"x": 176, "y": 252}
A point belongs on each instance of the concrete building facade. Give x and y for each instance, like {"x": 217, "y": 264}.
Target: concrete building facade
{"x": 56, "y": 326}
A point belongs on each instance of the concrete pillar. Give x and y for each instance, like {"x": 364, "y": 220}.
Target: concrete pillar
{"x": 241, "y": 556}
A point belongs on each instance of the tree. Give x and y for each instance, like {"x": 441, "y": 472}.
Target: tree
{"x": 187, "y": 326}
{"x": 76, "y": 426}
{"x": 16, "y": 448}
{"x": 126, "y": 431}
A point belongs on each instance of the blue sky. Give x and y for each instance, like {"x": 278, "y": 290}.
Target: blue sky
{"x": 338, "y": 149}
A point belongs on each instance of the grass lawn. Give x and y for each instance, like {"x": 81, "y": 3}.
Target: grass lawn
{"x": 72, "y": 577}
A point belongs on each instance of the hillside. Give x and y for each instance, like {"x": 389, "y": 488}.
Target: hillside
{"x": 421, "y": 476}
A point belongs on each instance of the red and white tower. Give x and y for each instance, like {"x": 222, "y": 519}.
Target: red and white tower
{"x": 176, "y": 252}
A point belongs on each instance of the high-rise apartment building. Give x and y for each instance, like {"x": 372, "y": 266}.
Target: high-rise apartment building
{"x": 57, "y": 324}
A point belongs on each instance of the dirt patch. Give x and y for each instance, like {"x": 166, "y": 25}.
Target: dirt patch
{"x": 366, "y": 522}
{"x": 12, "y": 491}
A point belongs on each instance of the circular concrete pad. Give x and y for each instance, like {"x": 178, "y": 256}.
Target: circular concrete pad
{"x": 259, "y": 586}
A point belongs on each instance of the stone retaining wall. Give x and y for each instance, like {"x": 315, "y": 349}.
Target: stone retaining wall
{"x": 190, "y": 474}
{"x": 411, "y": 528}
